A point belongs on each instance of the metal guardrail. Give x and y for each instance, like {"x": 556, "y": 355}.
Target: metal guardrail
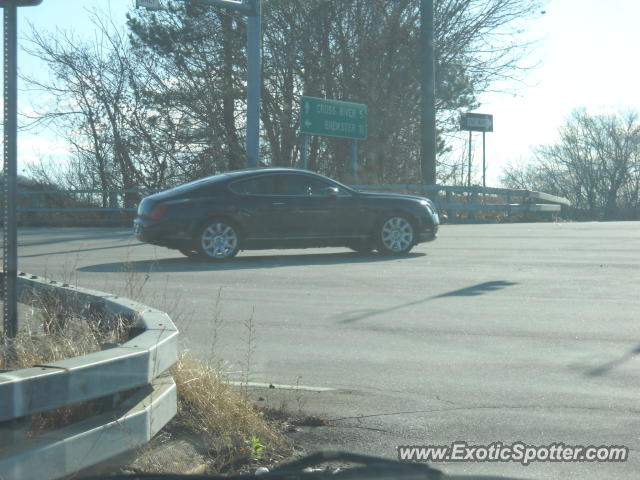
{"x": 481, "y": 199}
{"x": 472, "y": 190}
{"x": 470, "y": 195}
{"x": 113, "y": 199}
{"x": 140, "y": 363}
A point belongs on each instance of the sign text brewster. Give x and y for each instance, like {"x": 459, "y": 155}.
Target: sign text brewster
{"x": 319, "y": 116}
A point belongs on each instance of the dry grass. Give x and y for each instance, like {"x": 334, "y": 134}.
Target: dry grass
{"x": 228, "y": 429}
{"x": 231, "y": 428}
{"x": 32, "y": 347}
{"x": 46, "y": 342}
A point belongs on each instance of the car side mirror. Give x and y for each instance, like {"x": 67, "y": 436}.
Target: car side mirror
{"x": 333, "y": 192}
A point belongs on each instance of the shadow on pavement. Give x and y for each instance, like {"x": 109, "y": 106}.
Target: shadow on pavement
{"x": 80, "y": 250}
{"x": 71, "y": 235}
{"x": 474, "y": 290}
{"x": 184, "y": 264}
{"x": 479, "y": 289}
{"x": 608, "y": 366}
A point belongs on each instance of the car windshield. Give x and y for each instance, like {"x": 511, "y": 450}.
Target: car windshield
{"x": 238, "y": 232}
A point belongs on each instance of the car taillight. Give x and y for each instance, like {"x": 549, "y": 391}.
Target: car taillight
{"x": 158, "y": 211}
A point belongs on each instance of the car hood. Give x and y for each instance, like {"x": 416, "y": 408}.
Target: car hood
{"x": 392, "y": 195}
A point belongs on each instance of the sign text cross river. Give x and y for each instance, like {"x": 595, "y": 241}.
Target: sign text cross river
{"x": 319, "y": 116}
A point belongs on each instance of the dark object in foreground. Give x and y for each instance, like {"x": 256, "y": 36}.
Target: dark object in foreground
{"x": 215, "y": 217}
{"x": 371, "y": 468}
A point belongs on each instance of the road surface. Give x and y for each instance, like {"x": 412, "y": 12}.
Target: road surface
{"x": 523, "y": 332}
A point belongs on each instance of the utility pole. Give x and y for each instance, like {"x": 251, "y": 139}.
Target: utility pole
{"x": 252, "y": 10}
{"x": 428, "y": 122}
{"x": 254, "y": 84}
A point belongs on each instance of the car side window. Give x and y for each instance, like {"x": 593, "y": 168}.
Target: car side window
{"x": 300, "y": 185}
{"x": 282, "y": 184}
{"x": 255, "y": 186}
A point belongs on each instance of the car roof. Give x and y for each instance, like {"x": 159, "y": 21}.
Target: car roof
{"x": 249, "y": 172}
{"x": 266, "y": 170}
{"x": 235, "y": 174}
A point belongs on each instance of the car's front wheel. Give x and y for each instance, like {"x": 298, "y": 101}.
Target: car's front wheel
{"x": 396, "y": 235}
{"x": 189, "y": 252}
{"x": 218, "y": 240}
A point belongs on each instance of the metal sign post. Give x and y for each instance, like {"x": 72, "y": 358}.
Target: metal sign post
{"x": 469, "y": 165}
{"x": 477, "y": 122}
{"x": 10, "y": 228}
{"x": 484, "y": 161}
{"x": 304, "y": 151}
{"x": 10, "y": 253}
{"x": 354, "y": 161}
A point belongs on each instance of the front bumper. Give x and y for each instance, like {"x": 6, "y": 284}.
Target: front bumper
{"x": 428, "y": 227}
{"x": 428, "y": 234}
{"x": 427, "y": 237}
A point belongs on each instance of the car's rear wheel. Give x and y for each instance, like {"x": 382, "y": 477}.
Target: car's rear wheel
{"x": 218, "y": 240}
{"x": 362, "y": 246}
{"x": 396, "y": 235}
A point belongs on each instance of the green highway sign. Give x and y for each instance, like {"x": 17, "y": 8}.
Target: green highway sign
{"x": 319, "y": 116}
{"x": 149, "y": 4}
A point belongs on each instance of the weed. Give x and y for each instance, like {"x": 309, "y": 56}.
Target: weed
{"x": 220, "y": 415}
{"x": 218, "y": 324}
{"x": 256, "y": 448}
{"x": 301, "y": 402}
{"x": 249, "y": 341}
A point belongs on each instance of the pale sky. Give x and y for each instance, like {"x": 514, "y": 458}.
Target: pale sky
{"x": 588, "y": 52}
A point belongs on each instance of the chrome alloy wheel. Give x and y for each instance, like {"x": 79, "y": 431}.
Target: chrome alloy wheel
{"x": 397, "y": 235}
{"x": 219, "y": 241}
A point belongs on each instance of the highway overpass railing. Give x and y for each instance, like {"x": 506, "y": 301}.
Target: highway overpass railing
{"x": 455, "y": 200}
{"x": 37, "y": 206}
{"x": 129, "y": 380}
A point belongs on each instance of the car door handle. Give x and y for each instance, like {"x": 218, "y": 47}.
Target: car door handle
{"x": 279, "y": 204}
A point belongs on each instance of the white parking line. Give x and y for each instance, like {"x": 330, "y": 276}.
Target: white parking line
{"x": 281, "y": 386}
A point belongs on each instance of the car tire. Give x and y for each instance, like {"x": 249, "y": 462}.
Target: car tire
{"x": 362, "y": 246}
{"x": 189, "y": 252}
{"x": 218, "y": 240}
{"x": 396, "y": 235}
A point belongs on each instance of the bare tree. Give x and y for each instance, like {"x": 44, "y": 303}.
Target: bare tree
{"x": 166, "y": 102}
{"x": 119, "y": 138}
{"x": 595, "y": 164}
{"x": 366, "y": 52}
